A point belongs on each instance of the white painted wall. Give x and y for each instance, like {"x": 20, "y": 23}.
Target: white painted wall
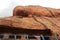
{"x": 6, "y": 6}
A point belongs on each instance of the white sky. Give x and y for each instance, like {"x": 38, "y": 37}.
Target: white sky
{"x": 6, "y": 6}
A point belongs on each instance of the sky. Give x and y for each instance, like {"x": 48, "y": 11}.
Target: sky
{"x": 7, "y": 6}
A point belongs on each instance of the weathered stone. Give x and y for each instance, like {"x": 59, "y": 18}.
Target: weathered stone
{"x": 34, "y": 18}
{"x": 35, "y": 10}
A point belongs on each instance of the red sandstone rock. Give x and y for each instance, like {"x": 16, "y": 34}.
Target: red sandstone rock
{"x": 30, "y": 23}
{"x": 36, "y": 10}
{"x": 43, "y": 21}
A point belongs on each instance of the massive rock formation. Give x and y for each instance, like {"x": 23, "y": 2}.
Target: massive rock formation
{"x": 35, "y": 23}
{"x": 34, "y": 18}
{"x": 36, "y": 10}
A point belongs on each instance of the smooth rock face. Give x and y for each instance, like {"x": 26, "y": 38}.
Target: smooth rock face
{"x": 34, "y": 17}
{"x": 36, "y": 10}
{"x": 30, "y": 23}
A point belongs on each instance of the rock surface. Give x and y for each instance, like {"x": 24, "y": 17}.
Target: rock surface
{"x": 36, "y": 10}
{"x": 34, "y": 17}
{"x": 37, "y": 23}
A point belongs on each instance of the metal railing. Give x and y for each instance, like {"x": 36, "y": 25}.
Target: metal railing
{"x": 27, "y": 37}
{"x": 44, "y": 37}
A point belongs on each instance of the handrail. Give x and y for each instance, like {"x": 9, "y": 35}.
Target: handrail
{"x": 26, "y": 36}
